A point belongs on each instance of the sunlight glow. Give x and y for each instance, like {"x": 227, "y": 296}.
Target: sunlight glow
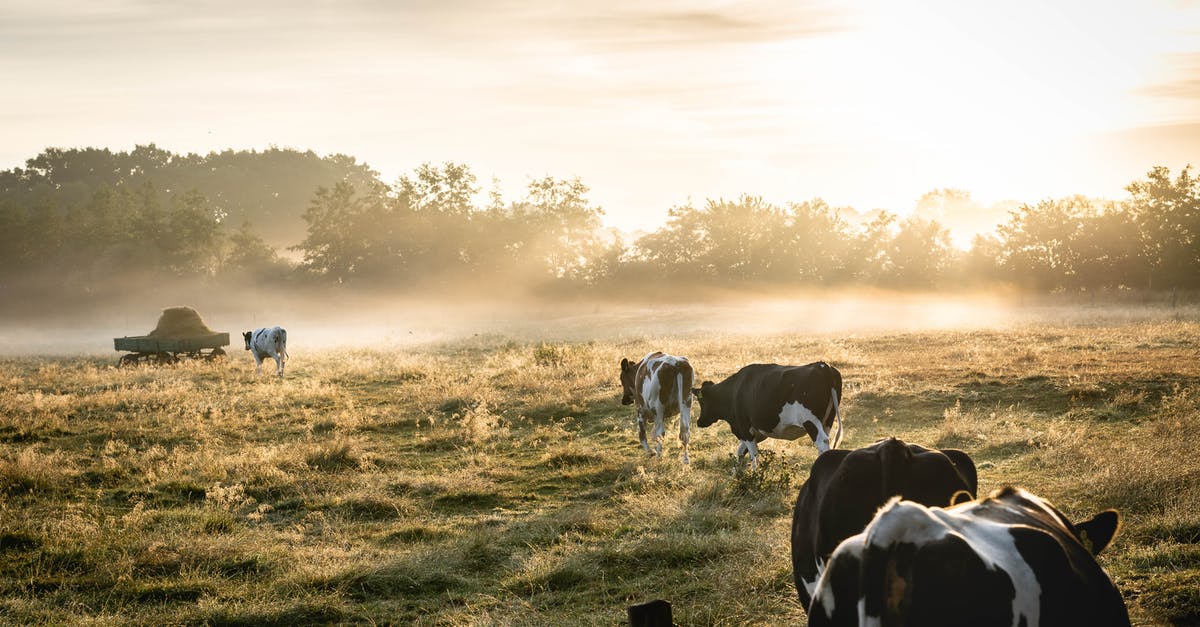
{"x": 867, "y": 104}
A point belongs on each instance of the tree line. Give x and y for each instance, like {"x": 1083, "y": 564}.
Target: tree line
{"x": 85, "y": 215}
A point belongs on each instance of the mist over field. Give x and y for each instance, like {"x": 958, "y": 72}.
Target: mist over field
{"x": 348, "y": 320}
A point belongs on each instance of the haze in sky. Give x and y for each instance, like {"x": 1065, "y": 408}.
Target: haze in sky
{"x": 652, "y": 103}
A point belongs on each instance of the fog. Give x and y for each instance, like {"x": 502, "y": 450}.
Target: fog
{"x": 354, "y": 320}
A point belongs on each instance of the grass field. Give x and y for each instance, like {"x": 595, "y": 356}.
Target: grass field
{"x": 493, "y": 480}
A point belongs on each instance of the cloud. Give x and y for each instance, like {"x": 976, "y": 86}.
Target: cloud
{"x": 1185, "y": 85}
{"x": 616, "y": 25}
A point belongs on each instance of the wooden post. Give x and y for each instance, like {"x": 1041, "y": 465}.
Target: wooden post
{"x": 655, "y": 613}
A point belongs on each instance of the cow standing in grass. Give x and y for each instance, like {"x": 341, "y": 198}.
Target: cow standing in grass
{"x": 763, "y": 401}
{"x": 1009, "y": 559}
{"x": 267, "y": 342}
{"x": 661, "y": 386}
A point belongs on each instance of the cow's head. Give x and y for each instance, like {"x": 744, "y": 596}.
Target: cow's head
{"x": 708, "y": 405}
{"x": 628, "y": 372}
{"x": 246, "y": 336}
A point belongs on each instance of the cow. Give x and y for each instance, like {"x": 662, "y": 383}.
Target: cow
{"x": 264, "y": 343}
{"x": 661, "y": 386}
{"x": 845, "y": 488}
{"x": 763, "y": 401}
{"x": 1009, "y": 559}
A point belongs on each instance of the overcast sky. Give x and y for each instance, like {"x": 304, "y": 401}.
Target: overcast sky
{"x": 651, "y": 102}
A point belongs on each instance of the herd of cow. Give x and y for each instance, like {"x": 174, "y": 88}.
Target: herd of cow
{"x": 892, "y": 533}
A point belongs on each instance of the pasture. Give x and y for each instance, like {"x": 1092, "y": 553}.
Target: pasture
{"x": 493, "y": 480}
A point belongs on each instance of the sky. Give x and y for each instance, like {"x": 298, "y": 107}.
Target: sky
{"x": 652, "y": 103}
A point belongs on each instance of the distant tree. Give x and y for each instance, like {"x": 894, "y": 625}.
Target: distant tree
{"x": 673, "y": 249}
{"x": 812, "y": 243}
{"x": 193, "y": 237}
{"x": 1040, "y": 242}
{"x": 1108, "y": 249}
{"x": 560, "y": 224}
{"x": 980, "y": 264}
{"x": 1167, "y": 213}
{"x": 269, "y": 187}
{"x": 334, "y": 248}
{"x": 866, "y": 259}
{"x": 250, "y": 257}
{"x": 433, "y": 227}
{"x": 918, "y": 254}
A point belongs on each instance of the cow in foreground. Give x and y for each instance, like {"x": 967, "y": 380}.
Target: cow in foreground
{"x": 845, "y": 488}
{"x": 267, "y": 342}
{"x": 1009, "y": 559}
{"x": 661, "y": 386}
{"x": 764, "y": 401}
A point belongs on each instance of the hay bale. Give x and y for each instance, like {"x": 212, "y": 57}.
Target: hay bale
{"x": 180, "y": 322}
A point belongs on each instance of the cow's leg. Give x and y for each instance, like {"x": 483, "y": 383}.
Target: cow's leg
{"x": 752, "y": 449}
{"x": 685, "y": 420}
{"x": 641, "y": 415}
{"x": 685, "y": 434}
{"x": 279, "y": 364}
{"x": 659, "y": 430}
{"x": 258, "y": 363}
{"x": 743, "y": 448}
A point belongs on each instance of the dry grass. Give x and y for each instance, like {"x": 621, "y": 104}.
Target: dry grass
{"x": 490, "y": 480}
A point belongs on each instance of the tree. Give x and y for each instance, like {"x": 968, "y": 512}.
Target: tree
{"x": 250, "y": 257}
{"x": 918, "y": 254}
{"x": 1168, "y": 217}
{"x": 555, "y": 226}
{"x": 1040, "y": 242}
{"x": 335, "y": 246}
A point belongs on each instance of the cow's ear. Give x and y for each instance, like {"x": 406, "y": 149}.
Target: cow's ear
{"x": 624, "y": 364}
{"x": 1098, "y": 531}
{"x": 696, "y": 392}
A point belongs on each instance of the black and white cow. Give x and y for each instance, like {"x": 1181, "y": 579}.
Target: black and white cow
{"x": 1011, "y": 559}
{"x": 763, "y": 401}
{"x": 845, "y": 488}
{"x": 267, "y": 342}
{"x": 661, "y": 387}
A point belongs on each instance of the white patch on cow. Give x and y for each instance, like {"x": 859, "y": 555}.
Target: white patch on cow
{"x": 863, "y": 619}
{"x": 811, "y": 586}
{"x": 851, "y": 546}
{"x": 791, "y": 425}
{"x": 907, "y": 522}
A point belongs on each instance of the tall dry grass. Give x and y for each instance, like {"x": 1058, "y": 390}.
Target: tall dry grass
{"x": 496, "y": 480}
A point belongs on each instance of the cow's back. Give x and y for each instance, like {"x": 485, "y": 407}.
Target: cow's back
{"x": 665, "y": 375}
{"x": 760, "y": 390}
{"x": 998, "y": 561}
{"x": 846, "y": 488}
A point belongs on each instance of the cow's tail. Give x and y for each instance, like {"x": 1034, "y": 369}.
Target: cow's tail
{"x": 685, "y": 411}
{"x": 837, "y": 412}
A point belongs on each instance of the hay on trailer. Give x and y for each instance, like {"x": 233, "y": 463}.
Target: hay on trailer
{"x": 180, "y": 322}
